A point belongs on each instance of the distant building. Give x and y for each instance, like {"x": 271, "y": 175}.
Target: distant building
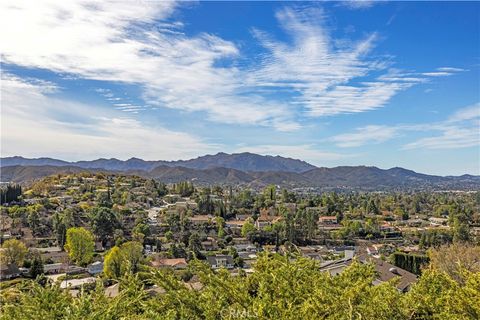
{"x": 9, "y": 271}
{"x": 221, "y": 261}
{"x": 54, "y": 268}
{"x": 265, "y": 221}
{"x": 179, "y": 263}
{"x": 327, "y": 220}
{"x": 438, "y": 221}
{"x": 384, "y": 271}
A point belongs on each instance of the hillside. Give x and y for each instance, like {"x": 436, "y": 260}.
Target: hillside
{"x": 346, "y": 178}
{"x": 239, "y": 161}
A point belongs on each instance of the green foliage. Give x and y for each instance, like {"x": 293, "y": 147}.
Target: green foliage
{"x": 410, "y": 262}
{"x": 79, "y": 245}
{"x": 184, "y": 189}
{"x": 10, "y": 193}
{"x": 104, "y": 222}
{"x": 280, "y": 288}
{"x": 113, "y": 262}
{"x": 247, "y": 228}
{"x": 13, "y": 251}
{"x": 37, "y": 267}
{"x": 126, "y": 258}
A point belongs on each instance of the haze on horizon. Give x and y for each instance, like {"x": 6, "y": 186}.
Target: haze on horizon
{"x": 332, "y": 83}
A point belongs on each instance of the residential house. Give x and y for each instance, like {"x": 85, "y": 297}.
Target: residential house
{"x": 54, "y": 268}
{"x": 327, "y": 220}
{"x": 179, "y": 263}
{"x": 76, "y": 283}
{"x": 265, "y": 221}
{"x": 9, "y": 271}
{"x": 434, "y": 221}
{"x": 201, "y": 220}
{"x": 210, "y": 244}
{"x": 221, "y": 261}
{"x": 384, "y": 271}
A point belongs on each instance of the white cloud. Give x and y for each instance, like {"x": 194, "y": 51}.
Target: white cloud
{"x": 436, "y": 74}
{"x": 364, "y": 135}
{"x": 451, "y": 138}
{"x": 467, "y": 113}
{"x": 134, "y": 43}
{"x": 322, "y": 75}
{"x": 124, "y": 41}
{"x": 460, "y": 130}
{"x": 36, "y": 124}
{"x": 450, "y": 69}
{"x": 358, "y": 4}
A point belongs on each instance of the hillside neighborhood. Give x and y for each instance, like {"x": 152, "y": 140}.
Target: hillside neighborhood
{"x": 146, "y": 224}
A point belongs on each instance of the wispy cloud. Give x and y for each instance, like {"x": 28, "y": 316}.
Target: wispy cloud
{"x": 358, "y": 4}
{"x": 324, "y": 78}
{"x": 123, "y": 41}
{"x": 127, "y": 42}
{"x": 460, "y": 130}
{"x": 450, "y": 69}
{"x": 74, "y": 131}
{"x": 364, "y": 135}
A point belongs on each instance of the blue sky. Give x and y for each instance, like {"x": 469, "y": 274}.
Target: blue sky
{"x": 333, "y": 83}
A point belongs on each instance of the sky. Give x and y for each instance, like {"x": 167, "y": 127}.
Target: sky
{"x": 381, "y": 84}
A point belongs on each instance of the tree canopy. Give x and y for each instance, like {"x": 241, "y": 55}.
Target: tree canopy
{"x": 279, "y": 288}
{"x": 80, "y": 245}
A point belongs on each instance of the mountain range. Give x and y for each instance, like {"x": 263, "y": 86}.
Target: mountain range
{"x": 241, "y": 161}
{"x": 243, "y": 169}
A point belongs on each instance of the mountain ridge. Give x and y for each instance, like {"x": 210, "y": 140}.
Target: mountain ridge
{"x": 245, "y": 161}
{"x": 337, "y": 178}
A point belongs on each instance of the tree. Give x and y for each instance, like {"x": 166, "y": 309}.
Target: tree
{"x": 195, "y": 245}
{"x": 169, "y": 235}
{"x": 103, "y": 221}
{"x": 455, "y": 260}
{"x": 33, "y": 219}
{"x": 142, "y": 228}
{"x": 14, "y": 251}
{"x": 10, "y": 193}
{"x": 278, "y": 288}
{"x": 37, "y": 266}
{"x": 132, "y": 252}
{"x": 80, "y": 245}
{"x": 247, "y": 228}
{"x": 114, "y": 260}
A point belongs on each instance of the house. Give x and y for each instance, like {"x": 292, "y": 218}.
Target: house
{"x": 434, "y": 221}
{"x": 76, "y": 283}
{"x": 240, "y": 216}
{"x": 210, "y": 244}
{"x": 235, "y": 224}
{"x": 386, "y": 271}
{"x": 220, "y": 261}
{"x": 95, "y": 268}
{"x": 179, "y": 263}
{"x": 9, "y": 271}
{"x": 327, "y": 220}
{"x": 265, "y": 221}
{"x": 201, "y": 220}
{"x": 54, "y": 268}
{"x": 386, "y": 227}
